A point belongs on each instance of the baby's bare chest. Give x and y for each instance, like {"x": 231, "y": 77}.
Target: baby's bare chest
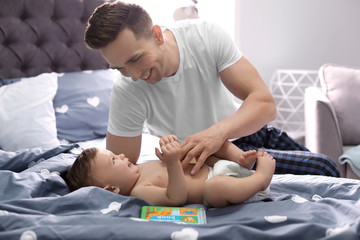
{"x": 154, "y": 173}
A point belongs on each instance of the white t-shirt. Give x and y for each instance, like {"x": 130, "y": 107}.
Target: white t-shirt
{"x": 191, "y": 100}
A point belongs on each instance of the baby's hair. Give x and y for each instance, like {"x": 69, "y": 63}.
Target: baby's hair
{"x": 78, "y": 175}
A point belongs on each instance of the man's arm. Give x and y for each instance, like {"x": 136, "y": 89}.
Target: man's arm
{"x": 257, "y": 109}
{"x": 129, "y": 146}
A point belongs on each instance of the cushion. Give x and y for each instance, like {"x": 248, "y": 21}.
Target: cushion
{"x": 341, "y": 85}
{"x": 27, "y": 117}
{"x": 82, "y": 104}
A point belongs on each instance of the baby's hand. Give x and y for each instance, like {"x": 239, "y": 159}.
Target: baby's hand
{"x": 167, "y": 139}
{"x": 170, "y": 152}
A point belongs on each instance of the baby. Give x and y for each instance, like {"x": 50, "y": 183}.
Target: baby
{"x": 165, "y": 183}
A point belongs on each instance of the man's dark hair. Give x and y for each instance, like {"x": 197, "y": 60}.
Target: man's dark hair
{"x": 109, "y": 19}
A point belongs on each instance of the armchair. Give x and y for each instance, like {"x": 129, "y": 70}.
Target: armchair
{"x": 332, "y": 114}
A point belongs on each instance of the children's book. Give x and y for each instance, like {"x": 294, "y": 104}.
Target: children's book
{"x": 174, "y": 214}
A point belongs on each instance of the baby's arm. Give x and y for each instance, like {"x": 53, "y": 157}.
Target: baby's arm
{"x": 176, "y": 190}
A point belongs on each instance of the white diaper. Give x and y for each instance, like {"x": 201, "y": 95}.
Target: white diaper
{"x": 229, "y": 168}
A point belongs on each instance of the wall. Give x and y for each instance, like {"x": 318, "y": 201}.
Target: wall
{"x": 222, "y": 14}
{"x": 298, "y": 34}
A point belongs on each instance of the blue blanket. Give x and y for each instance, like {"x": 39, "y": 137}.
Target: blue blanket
{"x": 35, "y": 203}
{"x": 352, "y": 157}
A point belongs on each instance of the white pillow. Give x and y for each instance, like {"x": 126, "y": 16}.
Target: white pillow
{"x": 27, "y": 116}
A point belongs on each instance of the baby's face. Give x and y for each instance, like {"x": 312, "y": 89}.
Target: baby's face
{"x": 114, "y": 170}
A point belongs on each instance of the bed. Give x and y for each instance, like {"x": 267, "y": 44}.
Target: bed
{"x": 54, "y": 98}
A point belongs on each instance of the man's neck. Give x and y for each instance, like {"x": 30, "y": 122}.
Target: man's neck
{"x": 171, "y": 53}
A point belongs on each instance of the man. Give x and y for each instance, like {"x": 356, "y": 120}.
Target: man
{"x": 178, "y": 81}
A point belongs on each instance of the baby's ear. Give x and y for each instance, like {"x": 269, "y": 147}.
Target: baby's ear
{"x": 112, "y": 189}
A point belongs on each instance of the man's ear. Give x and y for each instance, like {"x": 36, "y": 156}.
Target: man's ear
{"x": 112, "y": 189}
{"x": 158, "y": 34}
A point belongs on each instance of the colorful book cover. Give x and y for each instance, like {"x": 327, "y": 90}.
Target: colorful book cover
{"x": 174, "y": 214}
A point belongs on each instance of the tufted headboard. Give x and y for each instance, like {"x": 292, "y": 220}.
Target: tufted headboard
{"x": 38, "y": 36}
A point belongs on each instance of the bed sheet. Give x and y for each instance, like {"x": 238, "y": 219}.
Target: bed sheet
{"x": 35, "y": 203}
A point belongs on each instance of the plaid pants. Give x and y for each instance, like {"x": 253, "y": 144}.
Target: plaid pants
{"x": 291, "y": 157}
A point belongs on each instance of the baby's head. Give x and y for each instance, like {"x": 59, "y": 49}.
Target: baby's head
{"x": 102, "y": 168}
{"x": 79, "y": 174}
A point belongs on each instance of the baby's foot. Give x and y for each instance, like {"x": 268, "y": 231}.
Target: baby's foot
{"x": 265, "y": 166}
{"x": 248, "y": 159}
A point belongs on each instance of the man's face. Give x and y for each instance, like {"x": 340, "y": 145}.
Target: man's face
{"x": 136, "y": 58}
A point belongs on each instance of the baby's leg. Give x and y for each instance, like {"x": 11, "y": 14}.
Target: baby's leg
{"x": 265, "y": 167}
{"x": 220, "y": 191}
{"x": 247, "y": 159}
{"x": 231, "y": 152}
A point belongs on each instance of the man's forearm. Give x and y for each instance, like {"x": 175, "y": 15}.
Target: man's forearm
{"x": 250, "y": 117}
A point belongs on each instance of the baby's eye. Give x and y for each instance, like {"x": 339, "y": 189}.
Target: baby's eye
{"x": 135, "y": 59}
{"x": 113, "y": 160}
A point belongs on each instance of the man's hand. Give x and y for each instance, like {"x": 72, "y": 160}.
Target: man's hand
{"x": 200, "y": 146}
